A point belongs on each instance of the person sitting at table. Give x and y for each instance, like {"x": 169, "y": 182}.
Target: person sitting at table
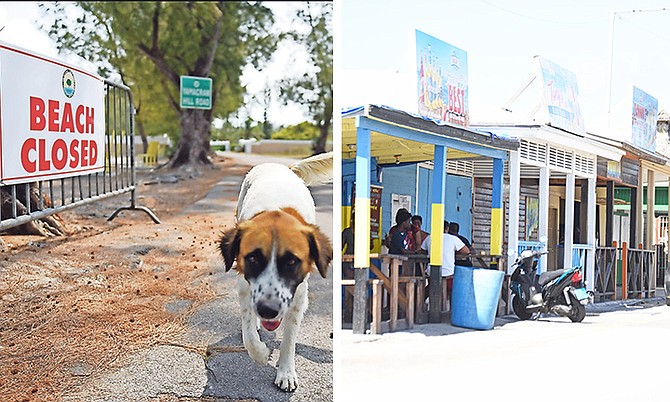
{"x": 451, "y": 245}
{"x": 398, "y": 240}
{"x": 418, "y": 234}
{"x": 463, "y": 261}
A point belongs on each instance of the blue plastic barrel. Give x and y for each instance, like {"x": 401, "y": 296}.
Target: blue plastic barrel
{"x": 475, "y": 296}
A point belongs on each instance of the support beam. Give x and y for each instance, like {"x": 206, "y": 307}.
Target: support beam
{"x": 651, "y": 202}
{"x": 437, "y": 232}
{"x": 543, "y": 206}
{"x": 361, "y": 229}
{"x": 633, "y": 217}
{"x": 497, "y": 224}
{"x": 569, "y": 219}
{"x": 591, "y": 232}
{"x": 583, "y": 212}
{"x": 639, "y": 223}
{"x": 609, "y": 221}
{"x": 514, "y": 169}
{"x": 651, "y": 229}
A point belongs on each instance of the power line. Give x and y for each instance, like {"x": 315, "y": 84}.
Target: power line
{"x": 628, "y": 20}
{"x": 530, "y": 17}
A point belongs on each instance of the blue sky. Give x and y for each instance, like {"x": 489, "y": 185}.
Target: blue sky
{"x": 501, "y": 38}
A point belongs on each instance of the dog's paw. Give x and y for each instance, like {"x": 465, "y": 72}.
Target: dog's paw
{"x": 287, "y": 380}
{"x": 259, "y": 353}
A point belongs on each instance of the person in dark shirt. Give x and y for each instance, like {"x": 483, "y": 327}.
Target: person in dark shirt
{"x": 398, "y": 234}
{"x": 461, "y": 259}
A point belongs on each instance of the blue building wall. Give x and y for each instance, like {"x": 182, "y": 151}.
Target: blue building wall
{"x": 457, "y": 200}
{"x": 399, "y": 179}
{"x": 403, "y": 179}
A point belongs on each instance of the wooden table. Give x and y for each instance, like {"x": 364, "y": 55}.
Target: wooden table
{"x": 479, "y": 260}
{"x": 401, "y": 270}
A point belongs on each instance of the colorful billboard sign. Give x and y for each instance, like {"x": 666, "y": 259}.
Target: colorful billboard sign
{"x": 442, "y": 80}
{"x": 560, "y": 97}
{"x": 52, "y": 118}
{"x": 645, "y": 115}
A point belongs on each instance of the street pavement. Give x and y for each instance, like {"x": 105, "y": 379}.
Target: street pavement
{"x": 230, "y": 371}
{"x": 620, "y": 352}
{"x": 181, "y": 372}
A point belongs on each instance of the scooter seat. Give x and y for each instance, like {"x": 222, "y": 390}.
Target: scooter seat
{"x": 548, "y": 276}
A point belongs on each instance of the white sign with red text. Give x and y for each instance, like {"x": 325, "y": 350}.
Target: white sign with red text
{"x": 52, "y": 118}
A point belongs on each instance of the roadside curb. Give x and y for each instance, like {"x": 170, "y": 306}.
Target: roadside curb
{"x": 616, "y": 305}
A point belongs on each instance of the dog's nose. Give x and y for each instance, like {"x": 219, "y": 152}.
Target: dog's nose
{"x": 267, "y": 309}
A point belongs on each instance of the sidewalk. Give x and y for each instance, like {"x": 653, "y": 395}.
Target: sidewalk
{"x": 210, "y": 361}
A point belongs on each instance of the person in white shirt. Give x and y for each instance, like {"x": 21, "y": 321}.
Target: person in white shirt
{"x": 450, "y": 246}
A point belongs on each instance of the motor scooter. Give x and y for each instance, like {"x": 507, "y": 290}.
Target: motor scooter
{"x": 560, "y": 292}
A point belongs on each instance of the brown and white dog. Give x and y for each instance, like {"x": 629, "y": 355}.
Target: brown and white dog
{"x": 274, "y": 246}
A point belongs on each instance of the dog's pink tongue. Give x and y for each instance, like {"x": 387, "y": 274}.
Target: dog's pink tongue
{"x": 270, "y": 325}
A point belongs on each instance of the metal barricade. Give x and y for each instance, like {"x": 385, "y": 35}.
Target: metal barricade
{"x": 58, "y": 195}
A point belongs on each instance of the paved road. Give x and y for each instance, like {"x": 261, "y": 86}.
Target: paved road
{"x": 231, "y": 373}
{"x": 178, "y": 373}
{"x": 619, "y": 355}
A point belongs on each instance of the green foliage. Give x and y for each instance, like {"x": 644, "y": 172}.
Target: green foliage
{"x": 302, "y": 131}
{"x": 315, "y": 89}
{"x": 149, "y": 45}
{"x": 234, "y": 134}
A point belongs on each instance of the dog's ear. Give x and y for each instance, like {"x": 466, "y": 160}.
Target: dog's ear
{"x": 229, "y": 244}
{"x": 320, "y": 249}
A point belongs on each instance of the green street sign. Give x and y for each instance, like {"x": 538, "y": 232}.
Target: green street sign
{"x": 195, "y": 92}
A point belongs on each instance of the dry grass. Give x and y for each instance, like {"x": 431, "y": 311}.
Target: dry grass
{"x": 73, "y": 307}
{"x": 51, "y": 340}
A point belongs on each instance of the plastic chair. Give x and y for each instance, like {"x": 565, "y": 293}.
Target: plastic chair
{"x": 150, "y": 158}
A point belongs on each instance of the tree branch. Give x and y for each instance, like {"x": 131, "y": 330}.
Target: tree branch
{"x": 204, "y": 65}
{"x": 154, "y": 24}
{"x": 154, "y": 53}
{"x": 176, "y": 106}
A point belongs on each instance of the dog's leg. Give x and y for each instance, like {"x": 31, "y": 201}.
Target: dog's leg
{"x": 287, "y": 379}
{"x": 257, "y": 350}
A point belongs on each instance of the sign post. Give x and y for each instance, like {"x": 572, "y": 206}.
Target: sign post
{"x": 195, "y": 92}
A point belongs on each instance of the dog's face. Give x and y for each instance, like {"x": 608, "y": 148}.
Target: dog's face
{"x": 275, "y": 251}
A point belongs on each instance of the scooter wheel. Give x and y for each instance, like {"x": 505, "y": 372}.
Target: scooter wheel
{"x": 578, "y": 310}
{"x": 520, "y": 308}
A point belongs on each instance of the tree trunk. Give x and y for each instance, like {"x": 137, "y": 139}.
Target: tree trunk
{"x": 52, "y": 225}
{"x": 193, "y": 145}
{"x": 320, "y": 143}
{"x": 140, "y": 131}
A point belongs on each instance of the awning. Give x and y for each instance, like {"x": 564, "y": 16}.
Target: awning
{"x": 405, "y": 137}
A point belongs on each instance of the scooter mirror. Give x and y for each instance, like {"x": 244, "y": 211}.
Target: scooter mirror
{"x": 510, "y": 252}
{"x": 543, "y": 239}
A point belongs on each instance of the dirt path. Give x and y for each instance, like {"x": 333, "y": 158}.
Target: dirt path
{"x": 73, "y": 307}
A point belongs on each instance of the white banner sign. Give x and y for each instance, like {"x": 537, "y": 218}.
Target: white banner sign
{"x": 52, "y": 118}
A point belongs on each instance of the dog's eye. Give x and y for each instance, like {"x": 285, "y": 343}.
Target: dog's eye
{"x": 253, "y": 259}
{"x": 254, "y": 264}
{"x": 289, "y": 262}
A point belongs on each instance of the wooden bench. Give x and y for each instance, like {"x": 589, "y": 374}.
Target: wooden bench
{"x": 409, "y": 306}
